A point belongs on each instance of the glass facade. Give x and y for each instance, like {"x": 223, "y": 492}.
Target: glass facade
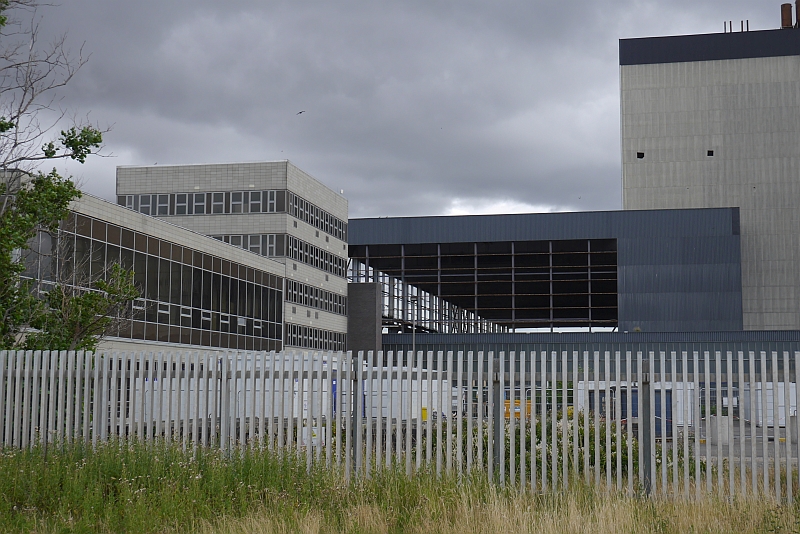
{"x": 187, "y": 296}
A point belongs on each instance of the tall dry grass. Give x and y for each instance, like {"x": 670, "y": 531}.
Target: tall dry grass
{"x": 136, "y": 487}
{"x": 582, "y": 509}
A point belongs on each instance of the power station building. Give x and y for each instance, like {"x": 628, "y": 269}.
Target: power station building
{"x": 714, "y": 121}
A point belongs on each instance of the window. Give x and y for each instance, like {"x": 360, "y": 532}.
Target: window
{"x": 217, "y": 202}
{"x": 126, "y": 201}
{"x": 163, "y": 205}
{"x": 254, "y": 243}
{"x": 640, "y": 155}
{"x": 710, "y": 153}
{"x": 236, "y": 241}
{"x": 199, "y": 203}
{"x": 236, "y": 202}
{"x": 268, "y": 248}
{"x": 144, "y": 204}
{"x": 270, "y": 201}
{"x": 255, "y": 202}
{"x": 181, "y": 204}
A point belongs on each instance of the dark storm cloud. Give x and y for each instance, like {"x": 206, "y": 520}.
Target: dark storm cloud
{"x": 410, "y": 107}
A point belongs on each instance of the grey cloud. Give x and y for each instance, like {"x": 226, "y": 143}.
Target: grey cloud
{"x": 409, "y": 105}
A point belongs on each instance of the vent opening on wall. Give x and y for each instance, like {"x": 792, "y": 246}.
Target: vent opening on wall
{"x": 640, "y": 155}
{"x": 710, "y": 153}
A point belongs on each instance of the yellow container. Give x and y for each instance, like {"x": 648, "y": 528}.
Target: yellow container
{"x": 424, "y": 413}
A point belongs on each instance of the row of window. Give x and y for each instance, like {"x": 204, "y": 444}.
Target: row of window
{"x": 307, "y": 253}
{"x": 153, "y": 311}
{"x": 314, "y": 297}
{"x": 271, "y": 245}
{"x": 282, "y": 245}
{"x": 225, "y": 202}
{"x": 231, "y": 202}
{"x": 316, "y": 217}
{"x": 314, "y": 338}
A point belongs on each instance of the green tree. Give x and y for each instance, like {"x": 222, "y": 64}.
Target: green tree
{"x": 76, "y": 320}
{"x": 33, "y": 202}
{"x": 39, "y": 204}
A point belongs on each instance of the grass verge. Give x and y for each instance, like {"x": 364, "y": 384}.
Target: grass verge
{"x": 134, "y": 487}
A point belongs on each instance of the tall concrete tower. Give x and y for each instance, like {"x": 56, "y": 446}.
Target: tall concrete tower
{"x": 714, "y": 121}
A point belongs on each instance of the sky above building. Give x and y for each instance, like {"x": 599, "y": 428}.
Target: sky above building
{"x": 412, "y": 108}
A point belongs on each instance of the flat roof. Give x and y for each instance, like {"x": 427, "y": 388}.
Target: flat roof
{"x": 709, "y": 47}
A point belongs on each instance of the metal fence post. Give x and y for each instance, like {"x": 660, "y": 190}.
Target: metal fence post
{"x": 644, "y": 418}
{"x": 497, "y": 416}
{"x": 354, "y": 394}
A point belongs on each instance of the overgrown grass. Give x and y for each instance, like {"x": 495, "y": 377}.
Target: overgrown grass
{"x": 135, "y": 487}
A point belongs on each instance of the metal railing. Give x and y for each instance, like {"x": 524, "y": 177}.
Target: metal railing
{"x": 665, "y": 423}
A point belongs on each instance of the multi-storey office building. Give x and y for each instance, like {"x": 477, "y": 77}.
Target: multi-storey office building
{"x": 714, "y": 121}
{"x": 268, "y": 208}
{"x": 194, "y": 290}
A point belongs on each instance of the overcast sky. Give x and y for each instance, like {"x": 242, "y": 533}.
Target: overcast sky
{"x": 419, "y": 107}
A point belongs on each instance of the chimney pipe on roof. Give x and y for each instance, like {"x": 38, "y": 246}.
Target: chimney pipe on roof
{"x": 786, "y": 16}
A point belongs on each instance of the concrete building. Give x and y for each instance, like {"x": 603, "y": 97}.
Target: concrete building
{"x": 714, "y": 121}
{"x": 272, "y": 209}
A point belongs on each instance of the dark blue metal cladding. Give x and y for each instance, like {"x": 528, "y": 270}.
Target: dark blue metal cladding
{"x": 645, "y": 342}
{"x": 680, "y": 284}
{"x": 544, "y": 226}
{"x": 678, "y": 270}
{"x": 709, "y": 47}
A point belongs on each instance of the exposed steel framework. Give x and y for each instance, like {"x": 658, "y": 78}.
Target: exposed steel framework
{"x": 510, "y": 284}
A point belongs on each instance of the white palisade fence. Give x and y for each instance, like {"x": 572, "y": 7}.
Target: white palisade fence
{"x": 665, "y": 423}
